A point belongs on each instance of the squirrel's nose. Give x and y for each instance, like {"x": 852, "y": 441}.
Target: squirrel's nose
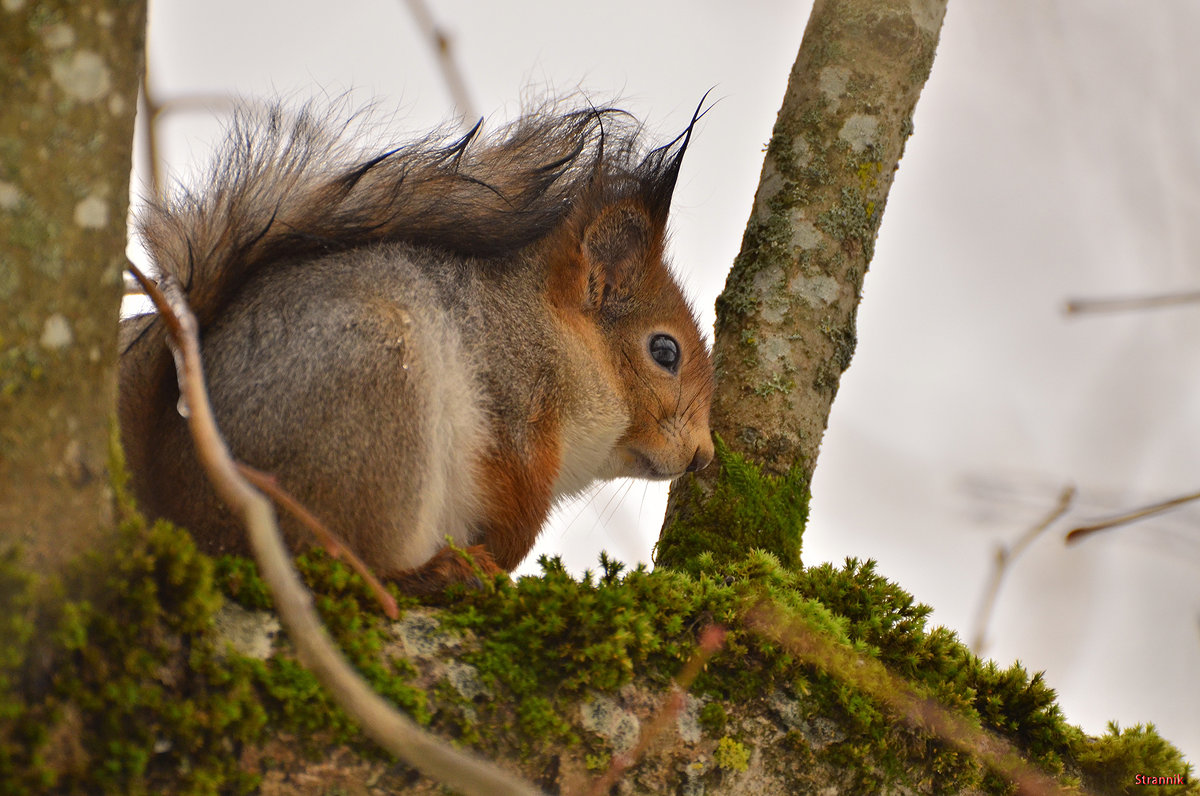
{"x": 701, "y": 459}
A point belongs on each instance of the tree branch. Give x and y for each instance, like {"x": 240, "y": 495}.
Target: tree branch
{"x": 1142, "y": 513}
{"x": 874, "y": 680}
{"x": 785, "y": 327}
{"x": 443, "y": 50}
{"x": 1005, "y": 556}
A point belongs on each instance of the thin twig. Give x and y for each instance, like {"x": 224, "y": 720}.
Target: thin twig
{"x": 132, "y": 286}
{"x": 153, "y": 109}
{"x": 154, "y": 112}
{"x": 267, "y": 483}
{"x": 440, "y": 41}
{"x": 1005, "y": 556}
{"x": 711, "y": 640}
{"x": 1082, "y": 306}
{"x": 874, "y": 680}
{"x": 1133, "y": 516}
{"x": 378, "y": 719}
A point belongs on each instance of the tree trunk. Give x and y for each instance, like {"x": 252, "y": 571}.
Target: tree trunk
{"x": 69, "y": 82}
{"x": 786, "y": 320}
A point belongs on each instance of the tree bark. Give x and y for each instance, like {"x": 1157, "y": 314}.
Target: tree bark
{"x": 69, "y": 79}
{"x": 785, "y": 327}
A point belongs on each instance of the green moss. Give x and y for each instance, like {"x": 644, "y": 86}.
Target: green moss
{"x": 132, "y": 673}
{"x": 747, "y": 510}
{"x": 129, "y": 693}
{"x": 240, "y": 581}
{"x": 713, "y": 718}
{"x": 549, "y": 639}
{"x": 1111, "y": 762}
{"x": 878, "y": 612}
{"x": 350, "y": 612}
{"x": 455, "y": 716}
{"x": 23, "y": 727}
{"x": 1020, "y": 707}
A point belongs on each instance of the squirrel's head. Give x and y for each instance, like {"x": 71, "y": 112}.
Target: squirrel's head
{"x": 611, "y": 283}
{"x": 643, "y": 339}
{"x": 653, "y": 343}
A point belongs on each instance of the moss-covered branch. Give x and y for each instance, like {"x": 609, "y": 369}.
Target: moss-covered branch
{"x": 138, "y": 690}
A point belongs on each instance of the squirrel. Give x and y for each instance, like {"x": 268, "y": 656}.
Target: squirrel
{"x": 437, "y": 341}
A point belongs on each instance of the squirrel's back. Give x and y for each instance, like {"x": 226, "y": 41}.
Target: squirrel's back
{"x": 440, "y": 340}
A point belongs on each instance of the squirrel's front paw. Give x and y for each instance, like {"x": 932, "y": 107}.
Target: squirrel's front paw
{"x": 469, "y": 566}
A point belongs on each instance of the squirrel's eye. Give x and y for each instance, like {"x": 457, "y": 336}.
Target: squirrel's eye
{"x": 665, "y": 351}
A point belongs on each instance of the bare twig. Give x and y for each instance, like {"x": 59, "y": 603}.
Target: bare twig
{"x": 1133, "y": 516}
{"x": 132, "y": 286}
{"x": 267, "y": 483}
{"x": 151, "y": 126}
{"x": 1005, "y": 556}
{"x": 873, "y": 679}
{"x": 442, "y": 49}
{"x": 711, "y": 640}
{"x": 378, "y": 719}
{"x": 1081, "y": 306}
{"x": 156, "y": 109}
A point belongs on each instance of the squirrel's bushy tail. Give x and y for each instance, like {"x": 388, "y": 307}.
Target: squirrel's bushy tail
{"x": 293, "y": 185}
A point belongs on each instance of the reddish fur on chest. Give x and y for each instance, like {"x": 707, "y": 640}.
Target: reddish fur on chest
{"x": 517, "y": 488}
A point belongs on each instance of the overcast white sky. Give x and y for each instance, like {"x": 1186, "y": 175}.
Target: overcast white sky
{"x": 1056, "y": 154}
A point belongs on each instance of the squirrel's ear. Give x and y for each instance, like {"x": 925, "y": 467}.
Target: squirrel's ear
{"x": 615, "y": 247}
